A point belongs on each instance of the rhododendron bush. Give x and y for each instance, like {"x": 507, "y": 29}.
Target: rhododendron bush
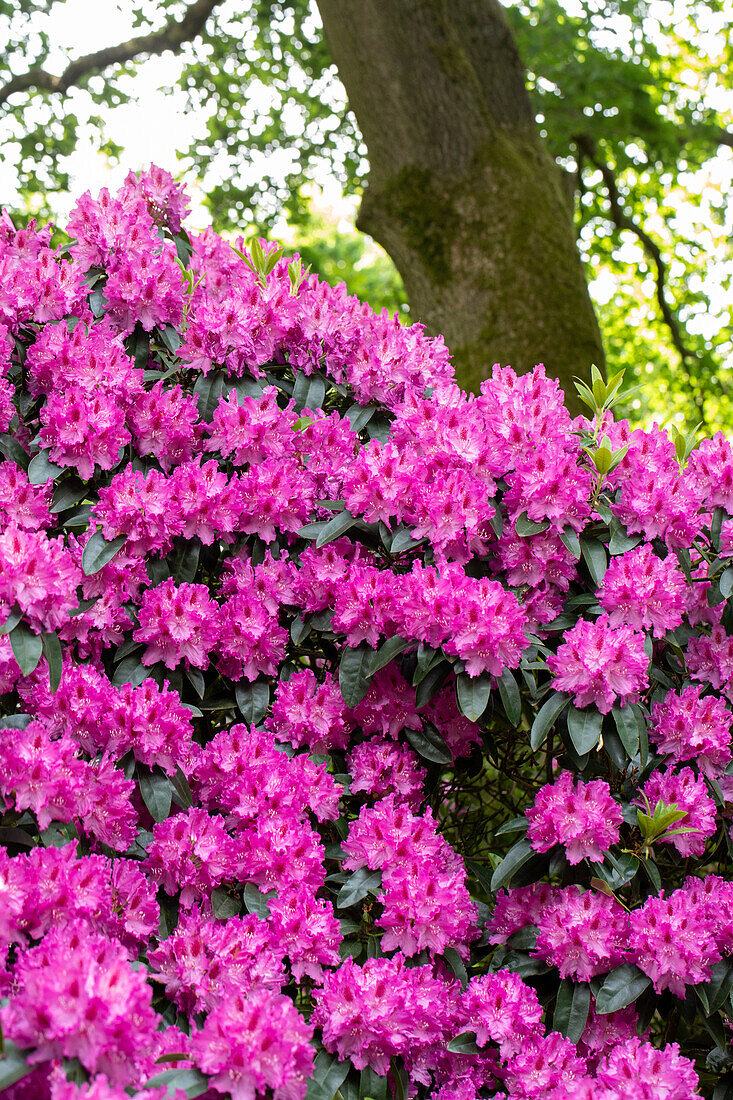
{"x": 360, "y": 738}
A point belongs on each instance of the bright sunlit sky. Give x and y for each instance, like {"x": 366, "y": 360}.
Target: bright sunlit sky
{"x": 153, "y": 127}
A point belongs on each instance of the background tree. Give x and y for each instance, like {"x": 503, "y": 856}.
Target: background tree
{"x": 465, "y": 195}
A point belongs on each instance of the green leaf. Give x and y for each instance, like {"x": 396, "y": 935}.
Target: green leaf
{"x": 156, "y": 791}
{"x": 473, "y": 694}
{"x": 41, "y": 469}
{"x": 372, "y": 1086}
{"x": 571, "y": 1009}
{"x": 620, "y": 988}
{"x": 627, "y": 724}
{"x": 196, "y": 679}
{"x": 620, "y": 542}
{"x": 191, "y": 1081}
{"x": 457, "y": 965}
{"x": 387, "y": 652}
{"x": 360, "y": 415}
{"x": 207, "y": 391}
{"x": 524, "y": 526}
{"x": 181, "y": 790}
{"x": 510, "y": 697}
{"x": 335, "y": 527}
{"x": 223, "y": 904}
{"x": 719, "y": 987}
{"x": 13, "y": 1065}
{"x": 253, "y": 701}
{"x": 516, "y": 825}
{"x": 431, "y": 683}
{"x": 67, "y": 494}
{"x": 403, "y": 540}
{"x": 726, "y": 582}
{"x": 309, "y": 391}
{"x": 130, "y": 671}
{"x": 27, "y": 647}
{"x": 12, "y": 620}
{"x": 355, "y": 673}
{"x": 11, "y": 448}
{"x": 546, "y": 717}
{"x": 357, "y": 887}
{"x": 184, "y": 562}
{"x": 594, "y": 556}
{"x": 430, "y": 744}
{"x": 98, "y": 552}
{"x": 584, "y": 727}
{"x": 257, "y": 902}
{"x": 328, "y": 1076}
{"x": 54, "y": 657}
{"x": 170, "y": 338}
{"x": 138, "y": 345}
{"x": 572, "y": 542}
{"x": 465, "y": 1043}
{"x": 515, "y": 858}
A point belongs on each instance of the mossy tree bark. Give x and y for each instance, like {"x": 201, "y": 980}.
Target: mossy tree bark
{"x": 461, "y": 192}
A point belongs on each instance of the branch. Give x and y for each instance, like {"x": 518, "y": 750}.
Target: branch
{"x": 623, "y": 220}
{"x": 171, "y": 37}
{"x": 716, "y": 134}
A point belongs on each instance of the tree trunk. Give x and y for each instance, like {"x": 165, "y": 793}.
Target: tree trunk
{"x": 462, "y": 193}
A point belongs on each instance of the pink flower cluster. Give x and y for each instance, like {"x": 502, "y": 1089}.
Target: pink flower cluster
{"x": 247, "y": 833}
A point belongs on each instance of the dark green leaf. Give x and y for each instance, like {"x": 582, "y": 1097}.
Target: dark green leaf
{"x": 97, "y": 301}
{"x": 620, "y": 541}
{"x": 726, "y": 582}
{"x": 457, "y": 965}
{"x": 27, "y": 647}
{"x": 379, "y": 428}
{"x": 11, "y": 448}
{"x": 41, "y": 469}
{"x": 614, "y": 748}
{"x": 570, "y": 538}
{"x": 184, "y": 562}
{"x": 191, "y": 1081}
{"x": 357, "y": 887}
{"x": 473, "y": 694}
{"x": 139, "y": 347}
{"x": 719, "y": 987}
{"x": 328, "y": 1076}
{"x": 510, "y": 697}
{"x": 584, "y": 727}
{"x": 516, "y": 825}
{"x": 403, "y": 540}
{"x": 571, "y": 1009}
{"x": 257, "y": 902}
{"x": 594, "y": 556}
{"x": 372, "y": 1085}
{"x": 299, "y": 630}
{"x": 515, "y": 858}
{"x": 170, "y": 338}
{"x": 431, "y": 683}
{"x": 524, "y": 526}
{"x": 335, "y": 527}
{"x": 54, "y": 657}
{"x": 309, "y": 391}
{"x": 429, "y": 744}
{"x": 387, "y": 652}
{"x": 13, "y": 1065}
{"x": 130, "y": 671}
{"x": 627, "y": 724}
{"x": 196, "y": 679}
{"x": 12, "y": 620}
{"x": 546, "y": 717}
{"x": 156, "y": 791}
{"x": 207, "y": 391}
{"x": 252, "y": 701}
{"x": 223, "y": 904}
{"x": 359, "y": 416}
{"x": 465, "y": 1043}
{"x": 355, "y": 673}
{"x": 621, "y": 988}
{"x": 181, "y": 790}
{"x": 98, "y": 552}
{"x": 67, "y": 494}
{"x": 481, "y": 874}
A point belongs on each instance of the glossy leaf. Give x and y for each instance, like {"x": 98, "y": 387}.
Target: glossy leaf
{"x": 355, "y": 673}
{"x": 620, "y": 988}
{"x": 41, "y": 469}
{"x": 546, "y": 717}
{"x": 357, "y": 887}
{"x": 515, "y": 858}
{"x": 584, "y": 728}
{"x": 571, "y": 1009}
{"x": 510, "y": 697}
{"x": 473, "y": 694}
{"x": 429, "y": 744}
{"x": 328, "y": 1076}
{"x": 27, "y": 647}
{"x": 98, "y": 552}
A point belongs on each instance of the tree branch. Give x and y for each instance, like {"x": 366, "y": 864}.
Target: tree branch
{"x": 171, "y": 37}
{"x": 623, "y": 220}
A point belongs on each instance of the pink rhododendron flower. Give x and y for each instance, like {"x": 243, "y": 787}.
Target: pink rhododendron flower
{"x": 672, "y": 941}
{"x": 690, "y": 726}
{"x": 179, "y": 623}
{"x": 582, "y": 933}
{"x": 688, "y": 793}
{"x": 600, "y": 665}
{"x": 581, "y": 816}
{"x": 643, "y": 591}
